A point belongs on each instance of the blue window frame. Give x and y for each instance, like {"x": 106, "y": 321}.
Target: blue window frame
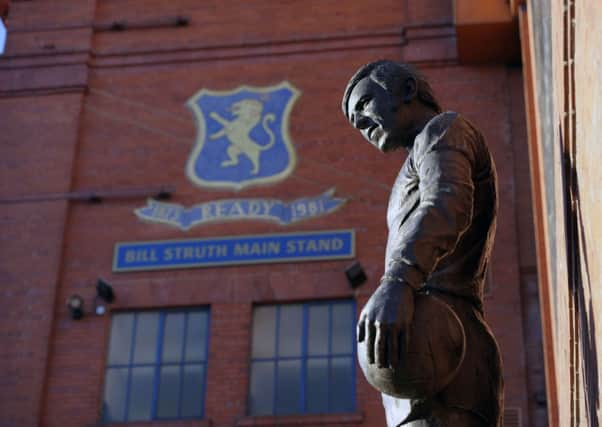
{"x": 156, "y": 365}
{"x": 303, "y": 359}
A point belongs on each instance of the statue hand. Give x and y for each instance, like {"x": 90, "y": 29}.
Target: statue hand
{"x": 385, "y": 322}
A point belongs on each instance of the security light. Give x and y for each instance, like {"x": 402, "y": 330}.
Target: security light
{"x": 104, "y": 296}
{"x": 104, "y": 291}
{"x": 355, "y": 275}
{"x": 75, "y": 304}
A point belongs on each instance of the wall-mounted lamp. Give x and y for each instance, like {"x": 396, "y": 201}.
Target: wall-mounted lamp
{"x": 75, "y": 304}
{"x": 182, "y": 21}
{"x": 94, "y": 198}
{"x": 118, "y": 26}
{"x": 104, "y": 296}
{"x": 355, "y": 275}
{"x": 104, "y": 290}
{"x": 163, "y": 194}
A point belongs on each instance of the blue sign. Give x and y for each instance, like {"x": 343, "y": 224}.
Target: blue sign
{"x": 234, "y": 250}
{"x": 242, "y": 136}
{"x": 239, "y": 209}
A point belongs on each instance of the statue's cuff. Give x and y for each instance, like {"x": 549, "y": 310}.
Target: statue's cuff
{"x": 400, "y": 281}
{"x": 405, "y": 272}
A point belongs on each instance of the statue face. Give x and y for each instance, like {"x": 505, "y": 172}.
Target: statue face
{"x": 374, "y": 112}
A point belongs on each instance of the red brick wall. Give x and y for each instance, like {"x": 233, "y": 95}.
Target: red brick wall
{"x": 135, "y": 131}
{"x": 37, "y": 140}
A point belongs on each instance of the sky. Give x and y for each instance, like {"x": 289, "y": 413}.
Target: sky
{"x": 2, "y": 36}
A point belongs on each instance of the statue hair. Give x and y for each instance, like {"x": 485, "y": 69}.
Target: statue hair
{"x": 390, "y": 75}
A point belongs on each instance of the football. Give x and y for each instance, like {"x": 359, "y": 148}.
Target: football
{"x": 436, "y": 349}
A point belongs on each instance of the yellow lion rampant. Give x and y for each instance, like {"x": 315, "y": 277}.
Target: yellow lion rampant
{"x": 248, "y": 115}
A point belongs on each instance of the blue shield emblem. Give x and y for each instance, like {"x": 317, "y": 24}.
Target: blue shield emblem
{"x": 242, "y": 137}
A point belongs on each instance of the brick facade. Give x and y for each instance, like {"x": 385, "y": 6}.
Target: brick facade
{"x": 561, "y": 50}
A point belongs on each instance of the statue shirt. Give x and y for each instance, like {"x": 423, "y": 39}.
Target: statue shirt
{"x": 442, "y": 210}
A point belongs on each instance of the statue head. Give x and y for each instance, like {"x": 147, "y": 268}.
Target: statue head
{"x": 385, "y": 100}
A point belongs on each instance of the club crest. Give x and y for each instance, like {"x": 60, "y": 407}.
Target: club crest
{"x": 242, "y": 136}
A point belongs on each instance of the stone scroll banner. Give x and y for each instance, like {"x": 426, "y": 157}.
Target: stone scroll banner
{"x": 283, "y": 213}
{"x": 234, "y": 250}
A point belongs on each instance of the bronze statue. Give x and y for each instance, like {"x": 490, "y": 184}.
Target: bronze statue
{"x": 422, "y": 338}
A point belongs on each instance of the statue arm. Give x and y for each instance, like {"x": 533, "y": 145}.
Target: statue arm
{"x": 444, "y": 213}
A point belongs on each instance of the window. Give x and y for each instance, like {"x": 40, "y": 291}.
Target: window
{"x": 303, "y": 359}
{"x": 156, "y": 365}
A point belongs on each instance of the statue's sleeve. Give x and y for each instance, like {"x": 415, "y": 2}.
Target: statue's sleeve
{"x": 444, "y": 168}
